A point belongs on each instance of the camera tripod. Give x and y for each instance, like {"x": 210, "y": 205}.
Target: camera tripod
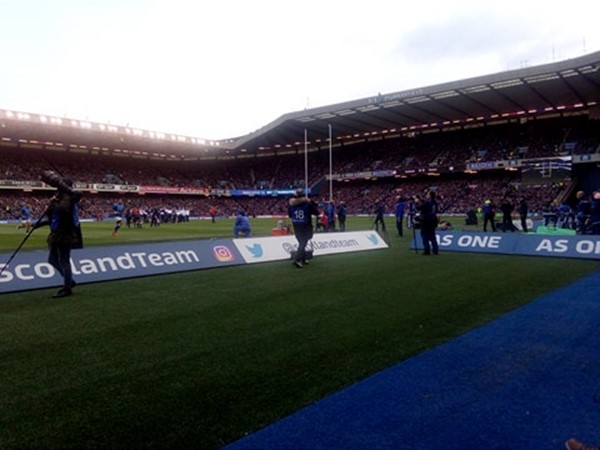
{"x": 27, "y": 235}
{"x": 416, "y": 245}
{"x": 384, "y": 234}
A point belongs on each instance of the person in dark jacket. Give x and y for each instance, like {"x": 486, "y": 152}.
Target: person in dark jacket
{"x": 65, "y": 233}
{"x": 341, "y": 215}
{"x": 523, "y": 210}
{"x": 507, "y": 209}
{"x": 582, "y": 214}
{"x": 300, "y": 210}
{"x": 489, "y": 215}
{"x": 399, "y": 213}
{"x": 330, "y": 211}
{"x": 379, "y": 213}
{"x": 429, "y": 220}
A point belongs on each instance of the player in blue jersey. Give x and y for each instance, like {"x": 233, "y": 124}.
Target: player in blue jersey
{"x": 241, "y": 225}
{"x": 301, "y": 210}
{"x": 25, "y": 218}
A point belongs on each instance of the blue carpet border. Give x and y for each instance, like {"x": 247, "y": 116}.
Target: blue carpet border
{"x": 528, "y": 380}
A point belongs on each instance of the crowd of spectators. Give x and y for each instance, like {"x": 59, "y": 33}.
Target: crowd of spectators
{"x": 457, "y": 194}
{"x": 455, "y": 197}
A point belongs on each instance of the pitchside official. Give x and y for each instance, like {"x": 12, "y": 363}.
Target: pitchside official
{"x": 301, "y": 210}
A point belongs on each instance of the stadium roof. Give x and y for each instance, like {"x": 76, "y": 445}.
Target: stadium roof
{"x": 568, "y": 85}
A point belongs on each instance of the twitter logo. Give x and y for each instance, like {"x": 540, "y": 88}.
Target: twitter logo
{"x": 256, "y": 250}
{"x": 373, "y": 239}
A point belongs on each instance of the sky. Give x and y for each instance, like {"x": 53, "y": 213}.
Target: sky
{"x": 221, "y": 69}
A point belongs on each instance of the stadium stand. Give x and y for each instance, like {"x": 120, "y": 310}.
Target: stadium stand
{"x": 459, "y": 193}
{"x": 525, "y": 133}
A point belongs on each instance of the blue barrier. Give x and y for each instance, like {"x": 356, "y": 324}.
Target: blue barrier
{"x": 30, "y": 270}
{"x": 579, "y": 246}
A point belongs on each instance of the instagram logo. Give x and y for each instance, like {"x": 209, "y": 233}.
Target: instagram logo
{"x": 222, "y": 253}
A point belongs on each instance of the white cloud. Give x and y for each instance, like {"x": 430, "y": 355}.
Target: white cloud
{"x": 222, "y": 69}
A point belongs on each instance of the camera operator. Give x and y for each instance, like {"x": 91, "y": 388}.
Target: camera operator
{"x": 65, "y": 232}
{"x": 428, "y": 210}
{"x": 301, "y": 210}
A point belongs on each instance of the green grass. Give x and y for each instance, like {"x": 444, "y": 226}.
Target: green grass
{"x": 197, "y": 360}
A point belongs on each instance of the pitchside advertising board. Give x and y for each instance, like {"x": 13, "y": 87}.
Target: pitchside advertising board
{"x": 257, "y": 250}
{"x": 584, "y": 246}
{"x": 30, "y": 270}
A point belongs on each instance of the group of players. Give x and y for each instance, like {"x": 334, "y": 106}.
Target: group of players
{"x": 301, "y": 211}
